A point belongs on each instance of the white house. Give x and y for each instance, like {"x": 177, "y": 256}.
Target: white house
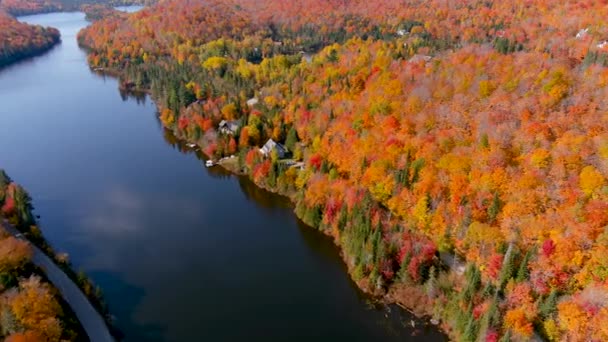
{"x": 271, "y": 145}
{"x": 252, "y": 101}
{"x": 419, "y": 58}
{"x": 602, "y": 45}
{"x": 228, "y": 127}
{"x": 582, "y": 33}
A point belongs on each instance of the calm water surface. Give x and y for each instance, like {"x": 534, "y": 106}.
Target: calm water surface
{"x": 183, "y": 253}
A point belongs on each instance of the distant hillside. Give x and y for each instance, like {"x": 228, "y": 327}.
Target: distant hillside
{"x": 19, "y": 40}
{"x": 25, "y": 7}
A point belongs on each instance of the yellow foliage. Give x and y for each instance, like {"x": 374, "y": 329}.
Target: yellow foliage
{"x": 551, "y": 330}
{"x": 36, "y": 309}
{"x": 540, "y": 158}
{"x": 271, "y": 101}
{"x": 572, "y": 319}
{"x": 215, "y": 63}
{"x": 518, "y": 322}
{"x": 454, "y": 163}
{"x": 229, "y": 111}
{"x": 167, "y": 117}
{"x": 591, "y": 180}
{"x": 421, "y": 210}
{"x": 604, "y": 150}
{"x": 486, "y": 88}
{"x": 481, "y": 234}
{"x": 244, "y": 68}
{"x": 302, "y": 179}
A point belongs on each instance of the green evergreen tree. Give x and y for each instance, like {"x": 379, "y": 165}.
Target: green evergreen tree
{"x": 292, "y": 139}
{"x": 506, "y": 337}
{"x": 506, "y": 271}
{"x": 523, "y": 273}
{"x": 494, "y": 208}
{"x": 548, "y": 306}
{"x": 470, "y": 331}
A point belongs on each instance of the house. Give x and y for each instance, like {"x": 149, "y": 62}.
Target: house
{"x": 271, "y": 145}
{"x": 453, "y": 262}
{"x": 401, "y": 32}
{"x": 306, "y": 56}
{"x": 602, "y": 45}
{"x": 419, "y": 58}
{"x": 252, "y": 101}
{"x": 582, "y": 33}
{"x": 228, "y": 127}
{"x": 297, "y": 166}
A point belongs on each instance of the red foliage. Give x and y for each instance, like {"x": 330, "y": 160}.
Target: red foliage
{"x": 232, "y": 146}
{"x": 9, "y": 206}
{"x": 261, "y": 170}
{"x": 494, "y": 266}
{"x": 492, "y": 336}
{"x": 332, "y": 207}
{"x": 479, "y": 310}
{"x": 252, "y": 157}
{"x": 548, "y": 248}
{"x": 421, "y": 251}
{"x": 387, "y": 270}
{"x": 210, "y": 149}
{"x": 316, "y": 161}
{"x": 183, "y": 122}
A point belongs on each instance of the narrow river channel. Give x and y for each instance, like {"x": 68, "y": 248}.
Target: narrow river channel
{"x": 182, "y": 253}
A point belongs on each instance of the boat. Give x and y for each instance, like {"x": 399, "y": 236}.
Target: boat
{"x": 191, "y": 145}
{"x": 209, "y": 163}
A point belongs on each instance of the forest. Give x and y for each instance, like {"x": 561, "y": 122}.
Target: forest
{"x": 457, "y": 151}
{"x": 19, "y": 40}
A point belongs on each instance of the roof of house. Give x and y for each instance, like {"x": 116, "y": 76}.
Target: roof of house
{"x": 252, "y": 101}
{"x": 582, "y": 33}
{"x": 229, "y": 125}
{"x": 270, "y": 145}
{"x": 418, "y": 58}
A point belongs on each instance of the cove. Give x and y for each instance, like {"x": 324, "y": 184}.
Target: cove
{"x": 181, "y": 252}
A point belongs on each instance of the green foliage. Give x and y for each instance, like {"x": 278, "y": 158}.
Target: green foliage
{"x": 8, "y": 322}
{"x": 506, "y": 46}
{"x": 523, "y": 273}
{"x": 417, "y": 166}
{"x": 506, "y": 271}
{"x": 548, "y": 306}
{"x": 292, "y": 139}
{"x": 470, "y": 331}
{"x": 494, "y": 208}
{"x": 473, "y": 281}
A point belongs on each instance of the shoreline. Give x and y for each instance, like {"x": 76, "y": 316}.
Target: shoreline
{"x": 386, "y": 296}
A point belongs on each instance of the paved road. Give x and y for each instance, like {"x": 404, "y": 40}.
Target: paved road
{"x": 92, "y": 322}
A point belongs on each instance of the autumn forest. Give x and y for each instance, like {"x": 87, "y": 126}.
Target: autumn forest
{"x": 457, "y": 151}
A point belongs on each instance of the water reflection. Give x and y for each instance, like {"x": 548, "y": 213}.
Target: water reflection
{"x": 139, "y": 96}
{"x": 261, "y": 197}
{"x": 182, "y": 252}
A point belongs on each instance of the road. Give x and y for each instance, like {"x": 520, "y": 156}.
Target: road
{"x": 92, "y": 322}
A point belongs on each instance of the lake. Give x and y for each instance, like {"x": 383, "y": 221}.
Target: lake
{"x": 182, "y": 252}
